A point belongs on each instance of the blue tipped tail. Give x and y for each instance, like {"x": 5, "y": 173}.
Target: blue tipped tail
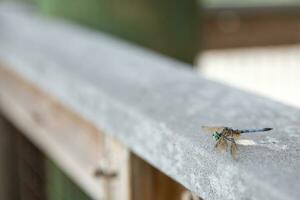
{"x": 255, "y": 130}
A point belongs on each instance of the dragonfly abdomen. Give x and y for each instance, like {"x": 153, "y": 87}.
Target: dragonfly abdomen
{"x": 254, "y": 130}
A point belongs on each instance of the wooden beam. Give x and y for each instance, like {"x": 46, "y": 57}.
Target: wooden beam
{"x": 152, "y": 105}
{"x": 79, "y": 148}
{"x": 231, "y": 27}
{"x": 76, "y": 145}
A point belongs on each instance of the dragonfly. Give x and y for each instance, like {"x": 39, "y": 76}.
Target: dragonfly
{"x": 226, "y": 136}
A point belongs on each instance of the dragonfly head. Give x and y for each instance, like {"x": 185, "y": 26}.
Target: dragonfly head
{"x": 216, "y": 136}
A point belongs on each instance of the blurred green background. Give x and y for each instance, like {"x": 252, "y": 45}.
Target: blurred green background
{"x": 168, "y": 26}
{"x": 171, "y": 27}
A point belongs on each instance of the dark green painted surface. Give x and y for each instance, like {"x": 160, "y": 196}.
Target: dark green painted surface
{"x": 60, "y": 187}
{"x": 168, "y": 26}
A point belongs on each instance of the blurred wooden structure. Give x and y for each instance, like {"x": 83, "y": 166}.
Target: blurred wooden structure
{"x": 79, "y": 149}
{"x": 231, "y": 27}
{"x": 181, "y": 29}
{"x": 76, "y": 158}
{"x": 8, "y": 159}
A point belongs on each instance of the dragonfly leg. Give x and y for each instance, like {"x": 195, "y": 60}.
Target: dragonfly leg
{"x": 221, "y": 144}
{"x": 217, "y": 144}
{"x": 229, "y": 139}
{"x": 233, "y": 149}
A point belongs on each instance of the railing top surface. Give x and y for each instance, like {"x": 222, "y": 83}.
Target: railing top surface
{"x": 156, "y": 106}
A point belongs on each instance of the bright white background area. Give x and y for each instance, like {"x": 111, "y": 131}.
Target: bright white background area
{"x": 270, "y": 71}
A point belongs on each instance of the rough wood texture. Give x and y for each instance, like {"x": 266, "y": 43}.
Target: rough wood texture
{"x": 155, "y": 106}
{"x": 76, "y": 145}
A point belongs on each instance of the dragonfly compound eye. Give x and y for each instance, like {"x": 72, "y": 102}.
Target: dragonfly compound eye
{"x": 216, "y": 136}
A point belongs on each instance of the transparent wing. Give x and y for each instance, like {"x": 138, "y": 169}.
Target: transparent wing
{"x": 245, "y": 142}
{"x": 212, "y": 129}
{"x": 221, "y": 144}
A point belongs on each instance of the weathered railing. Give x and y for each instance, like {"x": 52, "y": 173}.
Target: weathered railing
{"x": 68, "y": 88}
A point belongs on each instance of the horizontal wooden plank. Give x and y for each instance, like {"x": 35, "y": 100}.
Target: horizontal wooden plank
{"x": 76, "y": 145}
{"x": 250, "y": 26}
{"x": 156, "y": 106}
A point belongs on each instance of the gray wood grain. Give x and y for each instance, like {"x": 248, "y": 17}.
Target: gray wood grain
{"x": 156, "y": 106}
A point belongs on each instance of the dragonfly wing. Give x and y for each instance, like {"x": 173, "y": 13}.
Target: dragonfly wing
{"x": 221, "y": 144}
{"x": 245, "y": 142}
{"x": 213, "y": 129}
{"x": 233, "y": 150}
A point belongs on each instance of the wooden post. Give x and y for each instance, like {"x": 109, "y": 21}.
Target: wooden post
{"x": 31, "y": 169}
{"x": 8, "y": 163}
{"x": 134, "y": 178}
{"x": 148, "y": 183}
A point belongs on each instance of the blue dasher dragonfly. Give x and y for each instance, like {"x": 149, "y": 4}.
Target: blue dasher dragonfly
{"x": 225, "y": 135}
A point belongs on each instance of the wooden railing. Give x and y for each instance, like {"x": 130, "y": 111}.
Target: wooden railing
{"x": 104, "y": 111}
